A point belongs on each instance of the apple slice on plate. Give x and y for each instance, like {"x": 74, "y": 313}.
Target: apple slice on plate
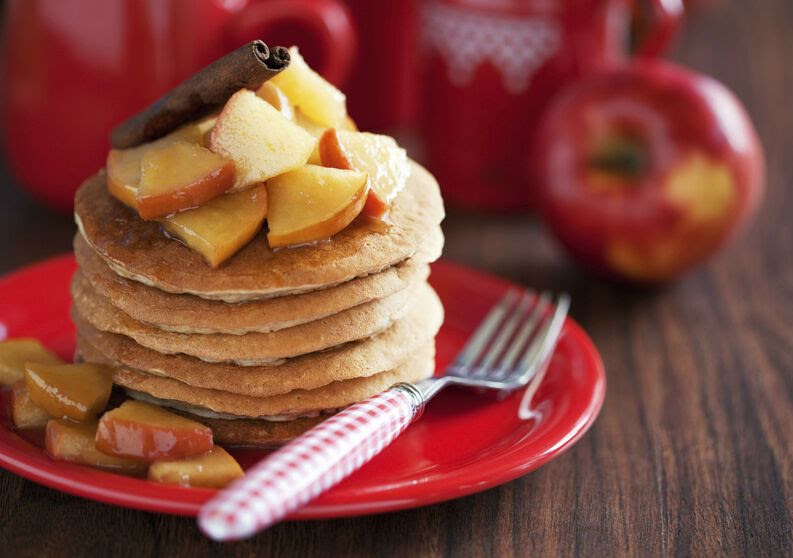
{"x": 75, "y": 391}
{"x": 180, "y": 176}
{"x": 24, "y": 413}
{"x": 14, "y": 353}
{"x": 214, "y": 469}
{"x": 316, "y": 97}
{"x": 71, "y": 441}
{"x": 313, "y": 203}
{"x": 148, "y": 432}
{"x": 378, "y": 156}
{"x": 124, "y": 165}
{"x": 219, "y": 228}
{"x": 259, "y": 139}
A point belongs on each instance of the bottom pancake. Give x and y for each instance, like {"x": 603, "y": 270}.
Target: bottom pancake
{"x": 256, "y": 432}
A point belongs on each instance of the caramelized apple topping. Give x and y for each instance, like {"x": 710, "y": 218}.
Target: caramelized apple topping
{"x": 379, "y": 156}
{"x": 24, "y": 413}
{"x": 71, "y": 441}
{"x": 76, "y": 391}
{"x": 124, "y": 167}
{"x": 279, "y": 136}
{"x": 219, "y": 228}
{"x": 259, "y": 139}
{"x": 181, "y": 176}
{"x": 313, "y": 203}
{"x": 316, "y": 97}
{"x": 214, "y": 469}
{"x": 14, "y": 353}
{"x": 147, "y": 432}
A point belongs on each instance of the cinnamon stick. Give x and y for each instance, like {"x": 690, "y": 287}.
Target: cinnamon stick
{"x": 247, "y": 67}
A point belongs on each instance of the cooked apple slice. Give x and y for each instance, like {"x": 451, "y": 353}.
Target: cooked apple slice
{"x": 124, "y": 165}
{"x": 313, "y": 203}
{"x": 14, "y": 353}
{"x": 150, "y": 433}
{"x": 181, "y": 176}
{"x": 220, "y": 227}
{"x": 72, "y": 441}
{"x": 24, "y": 413}
{"x": 259, "y": 139}
{"x": 316, "y": 97}
{"x": 75, "y": 391}
{"x": 214, "y": 469}
{"x": 273, "y": 95}
{"x": 378, "y": 156}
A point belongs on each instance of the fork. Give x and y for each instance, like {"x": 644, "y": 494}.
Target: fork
{"x": 510, "y": 349}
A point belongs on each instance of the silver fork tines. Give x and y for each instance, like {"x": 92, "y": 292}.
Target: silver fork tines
{"x": 510, "y": 346}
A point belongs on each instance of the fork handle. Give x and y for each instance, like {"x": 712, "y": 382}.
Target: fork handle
{"x": 310, "y": 464}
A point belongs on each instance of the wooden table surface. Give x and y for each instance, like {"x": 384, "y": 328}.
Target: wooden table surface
{"x": 693, "y": 451}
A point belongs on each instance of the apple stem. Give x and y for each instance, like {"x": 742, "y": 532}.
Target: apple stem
{"x": 622, "y": 157}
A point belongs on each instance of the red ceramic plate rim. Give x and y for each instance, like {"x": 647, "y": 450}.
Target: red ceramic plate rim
{"x": 28, "y": 461}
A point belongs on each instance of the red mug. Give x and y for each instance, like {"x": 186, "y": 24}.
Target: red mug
{"x": 75, "y": 68}
{"x": 383, "y": 91}
{"x": 493, "y": 65}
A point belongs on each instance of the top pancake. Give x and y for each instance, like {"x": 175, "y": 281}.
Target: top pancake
{"x": 139, "y": 250}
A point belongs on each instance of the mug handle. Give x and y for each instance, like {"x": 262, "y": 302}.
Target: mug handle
{"x": 328, "y": 19}
{"x": 666, "y": 17}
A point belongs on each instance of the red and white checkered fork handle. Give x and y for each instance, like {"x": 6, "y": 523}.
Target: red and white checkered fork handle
{"x": 309, "y": 465}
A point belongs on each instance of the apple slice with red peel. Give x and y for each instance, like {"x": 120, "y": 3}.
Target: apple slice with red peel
{"x": 147, "y": 432}
{"x": 24, "y": 413}
{"x": 214, "y": 469}
{"x": 313, "y": 203}
{"x": 378, "y": 156}
{"x": 180, "y": 176}
{"x": 221, "y": 227}
{"x": 14, "y": 353}
{"x": 316, "y": 97}
{"x": 259, "y": 139}
{"x": 71, "y": 441}
{"x": 124, "y": 165}
{"x": 75, "y": 391}
{"x": 273, "y": 95}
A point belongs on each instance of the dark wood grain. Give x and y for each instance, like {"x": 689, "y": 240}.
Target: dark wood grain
{"x": 693, "y": 451}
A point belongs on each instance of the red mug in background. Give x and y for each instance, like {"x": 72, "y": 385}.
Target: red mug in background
{"x": 491, "y": 68}
{"x": 383, "y": 90}
{"x": 75, "y": 68}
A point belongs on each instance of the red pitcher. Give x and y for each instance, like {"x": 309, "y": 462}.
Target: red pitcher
{"x": 492, "y": 66}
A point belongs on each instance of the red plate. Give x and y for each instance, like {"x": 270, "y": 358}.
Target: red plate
{"x": 465, "y": 442}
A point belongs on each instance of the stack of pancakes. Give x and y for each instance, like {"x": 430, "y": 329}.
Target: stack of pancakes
{"x": 270, "y": 343}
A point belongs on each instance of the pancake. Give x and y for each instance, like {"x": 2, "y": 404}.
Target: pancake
{"x": 139, "y": 250}
{"x": 420, "y": 365}
{"x": 251, "y": 349}
{"x": 191, "y": 314}
{"x": 364, "y": 358}
{"x": 256, "y": 432}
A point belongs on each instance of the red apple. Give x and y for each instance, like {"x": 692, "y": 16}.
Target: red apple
{"x": 647, "y": 170}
